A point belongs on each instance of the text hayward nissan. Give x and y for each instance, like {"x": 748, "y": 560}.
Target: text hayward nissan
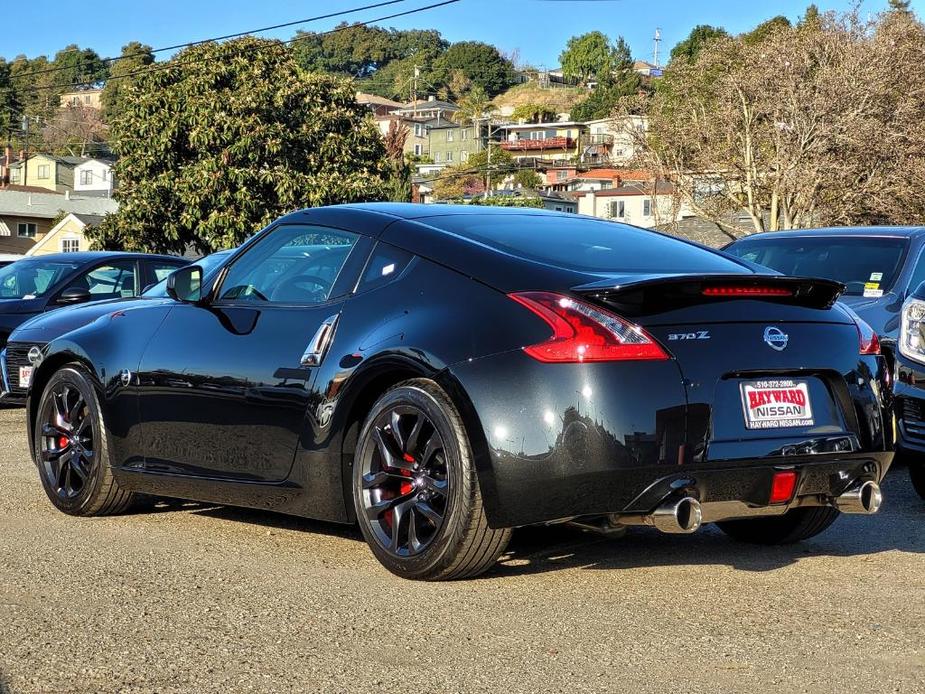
{"x": 443, "y": 374}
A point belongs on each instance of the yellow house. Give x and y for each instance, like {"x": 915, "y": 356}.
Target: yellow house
{"x": 88, "y": 98}
{"x": 46, "y": 171}
{"x": 67, "y": 236}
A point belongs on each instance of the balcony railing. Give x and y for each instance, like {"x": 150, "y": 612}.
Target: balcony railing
{"x": 548, "y": 143}
{"x": 599, "y": 139}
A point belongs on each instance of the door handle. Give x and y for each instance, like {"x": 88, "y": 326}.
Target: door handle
{"x": 318, "y": 347}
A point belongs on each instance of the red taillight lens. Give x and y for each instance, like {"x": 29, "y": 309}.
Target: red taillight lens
{"x": 869, "y": 342}
{"x": 581, "y": 332}
{"x": 782, "y": 486}
{"x": 756, "y": 291}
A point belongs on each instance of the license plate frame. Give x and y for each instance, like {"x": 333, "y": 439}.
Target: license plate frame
{"x": 776, "y": 403}
{"x": 25, "y": 376}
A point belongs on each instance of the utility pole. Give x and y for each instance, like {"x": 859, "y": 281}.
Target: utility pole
{"x": 658, "y": 40}
{"x": 414, "y": 92}
{"x": 25, "y": 161}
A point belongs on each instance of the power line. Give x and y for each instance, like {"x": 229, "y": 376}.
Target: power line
{"x": 157, "y": 67}
{"x": 197, "y": 42}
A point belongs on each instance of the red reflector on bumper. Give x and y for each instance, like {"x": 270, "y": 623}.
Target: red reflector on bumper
{"x": 783, "y": 486}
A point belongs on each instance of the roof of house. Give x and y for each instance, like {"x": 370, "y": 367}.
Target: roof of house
{"x": 553, "y": 124}
{"x": 73, "y": 161}
{"x": 422, "y": 104}
{"x": 48, "y": 205}
{"x": 89, "y": 219}
{"x": 634, "y": 188}
{"x": 435, "y": 123}
{"x": 364, "y": 98}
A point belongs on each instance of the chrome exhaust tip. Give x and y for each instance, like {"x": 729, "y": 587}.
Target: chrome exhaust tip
{"x": 865, "y": 498}
{"x": 682, "y": 515}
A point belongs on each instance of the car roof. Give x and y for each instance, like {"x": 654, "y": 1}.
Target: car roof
{"x": 872, "y": 231}
{"x": 91, "y": 256}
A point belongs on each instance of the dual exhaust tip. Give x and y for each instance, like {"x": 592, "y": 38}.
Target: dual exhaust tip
{"x": 684, "y": 515}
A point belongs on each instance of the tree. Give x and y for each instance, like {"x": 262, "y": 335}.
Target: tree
{"x": 813, "y": 125}
{"x": 76, "y": 66}
{"x": 473, "y": 107}
{"x": 586, "y": 57}
{"x": 228, "y": 137}
{"x": 619, "y": 82}
{"x": 534, "y": 113}
{"x": 135, "y": 56}
{"x": 8, "y": 110}
{"x": 75, "y": 131}
{"x": 399, "y": 180}
{"x": 764, "y": 30}
{"x": 700, "y": 36}
{"x": 528, "y": 178}
{"x": 899, "y": 5}
{"x": 475, "y": 175}
{"x": 480, "y": 62}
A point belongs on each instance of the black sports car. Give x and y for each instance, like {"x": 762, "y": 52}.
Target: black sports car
{"x": 443, "y": 374}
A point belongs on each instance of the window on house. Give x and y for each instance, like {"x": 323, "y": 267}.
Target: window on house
{"x": 449, "y": 156}
{"x": 14, "y": 175}
{"x": 647, "y": 207}
{"x": 26, "y": 230}
{"x": 70, "y": 245}
{"x": 464, "y": 155}
{"x": 464, "y": 134}
{"x": 417, "y": 150}
{"x": 449, "y": 135}
{"x": 43, "y": 171}
{"x": 561, "y": 175}
{"x": 418, "y": 130}
{"x": 86, "y": 177}
{"x": 605, "y": 185}
{"x": 558, "y": 208}
{"x": 618, "y": 209}
{"x": 436, "y": 157}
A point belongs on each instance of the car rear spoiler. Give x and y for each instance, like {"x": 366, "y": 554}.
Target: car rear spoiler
{"x": 636, "y": 294}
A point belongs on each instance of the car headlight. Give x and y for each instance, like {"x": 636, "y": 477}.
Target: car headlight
{"x": 912, "y": 330}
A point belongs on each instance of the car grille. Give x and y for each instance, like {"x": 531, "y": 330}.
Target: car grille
{"x": 913, "y": 421}
{"x": 14, "y": 356}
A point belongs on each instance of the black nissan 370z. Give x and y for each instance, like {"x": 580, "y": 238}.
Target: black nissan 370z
{"x": 441, "y": 375}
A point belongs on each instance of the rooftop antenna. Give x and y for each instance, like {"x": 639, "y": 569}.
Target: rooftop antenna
{"x": 658, "y": 40}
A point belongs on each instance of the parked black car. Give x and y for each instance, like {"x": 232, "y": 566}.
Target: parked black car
{"x": 443, "y": 374}
{"x": 32, "y": 286}
{"x": 881, "y": 268}
{"x": 44, "y": 327}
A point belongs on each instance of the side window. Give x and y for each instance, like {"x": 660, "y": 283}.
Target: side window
{"x": 293, "y": 264}
{"x": 111, "y": 281}
{"x": 385, "y": 264}
{"x": 160, "y": 270}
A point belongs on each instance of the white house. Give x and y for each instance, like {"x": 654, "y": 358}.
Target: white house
{"x": 612, "y": 140}
{"x": 94, "y": 177}
{"x": 634, "y": 203}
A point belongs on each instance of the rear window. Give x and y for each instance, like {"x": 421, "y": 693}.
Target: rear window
{"x": 865, "y": 264}
{"x": 587, "y": 245}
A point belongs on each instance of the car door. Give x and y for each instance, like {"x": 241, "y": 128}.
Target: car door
{"x": 224, "y": 387}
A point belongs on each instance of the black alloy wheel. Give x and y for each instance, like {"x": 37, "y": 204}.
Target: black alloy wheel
{"x": 405, "y": 481}
{"x": 71, "y": 449}
{"x": 415, "y": 489}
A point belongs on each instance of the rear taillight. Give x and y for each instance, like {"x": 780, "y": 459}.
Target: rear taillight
{"x": 746, "y": 290}
{"x": 584, "y": 333}
{"x": 869, "y": 342}
{"x": 783, "y": 485}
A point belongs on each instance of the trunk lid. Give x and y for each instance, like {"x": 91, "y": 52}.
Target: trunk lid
{"x": 768, "y": 362}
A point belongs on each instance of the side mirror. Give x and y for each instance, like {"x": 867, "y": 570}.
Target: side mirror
{"x": 185, "y": 284}
{"x": 74, "y": 295}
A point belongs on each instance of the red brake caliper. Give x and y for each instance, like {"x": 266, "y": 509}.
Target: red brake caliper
{"x": 403, "y": 487}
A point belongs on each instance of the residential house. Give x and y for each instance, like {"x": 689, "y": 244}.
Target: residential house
{"x": 544, "y": 143}
{"x": 427, "y": 109}
{"x": 88, "y": 98}
{"x": 643, "y": 204}
{"x": 416, "y": 142}
{"x": 26, "y": 217}
{"x": 571, "y": 179}
{"x": 53, "y": 173}
{"x": 647, "y": 69}
{"x": 558, "y": 202}
{"x": 452, "y": 143}
{"x": 94, "y": 177}
{"x": 612, "y": 141}
{"x": 379, "y": 105}
{"x": 67, "y": 236}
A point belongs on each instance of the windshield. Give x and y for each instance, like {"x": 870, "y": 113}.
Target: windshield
{"x": 208, "y": 264}
{"x": 867, "y": 265}
{"x": 28, "y": 279}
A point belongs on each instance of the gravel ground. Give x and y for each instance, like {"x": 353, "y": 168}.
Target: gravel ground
{"x": 192, "y": 598}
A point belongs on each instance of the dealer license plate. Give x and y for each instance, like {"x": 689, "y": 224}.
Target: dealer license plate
{"x": 25, "y": 376}
{"x": 776, "y": 403}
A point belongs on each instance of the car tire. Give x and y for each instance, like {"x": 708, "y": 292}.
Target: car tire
{"x": 71, "y": 448}
{"x": 917, "y": 475}
{"x": 416, "y": 494}
{"x": 794, "y": 526}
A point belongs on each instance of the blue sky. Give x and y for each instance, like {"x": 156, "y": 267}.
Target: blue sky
{"x": 537, "y": 29}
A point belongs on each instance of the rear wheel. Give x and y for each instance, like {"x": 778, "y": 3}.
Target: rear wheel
{"x": 71, "y": 448}
{"x": 415, "y": 488}
{"x": 795, "y": 525}
{"x": 917, "y": 473}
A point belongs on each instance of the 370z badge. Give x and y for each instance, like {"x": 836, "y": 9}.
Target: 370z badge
{"x": 774, "y": 404}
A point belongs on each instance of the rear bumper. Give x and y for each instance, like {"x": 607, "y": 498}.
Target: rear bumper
{"x": 729, "y": 490}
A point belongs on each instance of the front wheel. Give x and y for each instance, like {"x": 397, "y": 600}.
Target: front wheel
{"x": 795, "y": 525}
{"x": 415, "y": 489}
{"x": 71, "y": 448}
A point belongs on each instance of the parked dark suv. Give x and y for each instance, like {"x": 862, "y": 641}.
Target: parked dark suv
{"x": 32, "y": 286}
{"x": 882, "y": 267}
